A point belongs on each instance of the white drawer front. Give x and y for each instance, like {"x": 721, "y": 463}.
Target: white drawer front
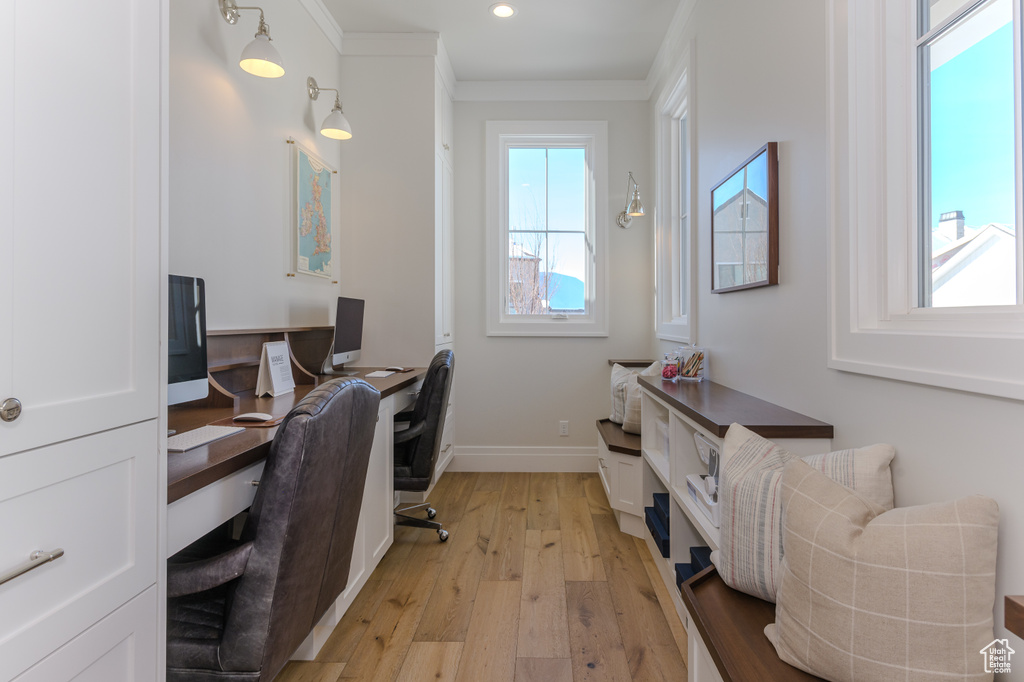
{"x": 195, "y": 515}
{"x": 120, "y": 648}
{"x": 94, "y": 497}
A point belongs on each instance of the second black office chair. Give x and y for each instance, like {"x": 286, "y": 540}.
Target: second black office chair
{"x": 417, "y": 447}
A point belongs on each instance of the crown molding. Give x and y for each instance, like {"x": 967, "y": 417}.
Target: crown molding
{"x": 444, "y": 66}
{"x": 392, "y": 44}
{"x": 672, "y": 47}
{"x": 325, "y": 21}
{"x": 551, "y": 91}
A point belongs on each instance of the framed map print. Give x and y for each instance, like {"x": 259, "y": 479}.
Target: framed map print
{"x": 314, "y": 202}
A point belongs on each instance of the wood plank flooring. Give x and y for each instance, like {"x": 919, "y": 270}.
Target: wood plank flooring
{"x": 535, "y": 584}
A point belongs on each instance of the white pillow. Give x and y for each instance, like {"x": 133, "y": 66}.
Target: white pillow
{"x": 620, "y": 375}
{"x": 631, "y": 417}
{"x": 750, "y": 549}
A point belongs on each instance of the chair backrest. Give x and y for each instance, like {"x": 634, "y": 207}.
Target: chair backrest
{"x": 430, "y": 409}
{"x": 314, "y": 477}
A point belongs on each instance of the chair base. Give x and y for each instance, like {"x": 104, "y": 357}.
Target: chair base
{"x": 404, "y": 519}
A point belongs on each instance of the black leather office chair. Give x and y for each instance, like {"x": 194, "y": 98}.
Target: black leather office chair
{"x": 416, "y": 448}
{"x": 240, "y": 615}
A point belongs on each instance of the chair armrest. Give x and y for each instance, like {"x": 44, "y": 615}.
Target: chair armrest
{"x": 409, "y": 433}
{"x": 198, "y": 576}
{"x": 404, "y": 416}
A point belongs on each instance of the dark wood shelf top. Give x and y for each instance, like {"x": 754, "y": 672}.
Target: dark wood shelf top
{"x": 1014, "y": 615}
{"x": 732, "y": 625}
{"x": 194, "y": 469}
{"x": 631, "y": 363}
{"x": 618, "y": 440}
{"x": 715, "y": 407}
{"x": 268, "y": 330}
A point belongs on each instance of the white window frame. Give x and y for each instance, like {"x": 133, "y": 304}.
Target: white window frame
{"x": 500, "y": 136}
{"x": 875, "y": 326}
{"x": 675, "y": 243}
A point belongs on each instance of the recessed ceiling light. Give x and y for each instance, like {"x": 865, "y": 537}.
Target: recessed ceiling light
{"x": 503, "y": 10}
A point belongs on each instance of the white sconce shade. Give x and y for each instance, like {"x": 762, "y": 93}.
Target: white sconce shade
{"x": 259, "y": 57}
{"x": 335, "y": 126}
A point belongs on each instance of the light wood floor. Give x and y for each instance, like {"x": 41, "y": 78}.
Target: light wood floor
{"x": 535, "y": 583}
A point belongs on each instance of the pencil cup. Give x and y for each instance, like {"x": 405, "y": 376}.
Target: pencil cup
{"x": 692, "y": 363}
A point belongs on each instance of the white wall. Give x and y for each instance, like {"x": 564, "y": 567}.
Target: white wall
{"x": 230, "y": 179}
{"x": 761, "y": 75}
{"x": 513, "y": 391}
{"x": 387, "y": 211}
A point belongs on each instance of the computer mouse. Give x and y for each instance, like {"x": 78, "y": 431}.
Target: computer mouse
{"x": 253, "y": 417}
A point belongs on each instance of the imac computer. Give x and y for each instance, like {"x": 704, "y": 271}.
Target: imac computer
{"x": 186, "y": 340}
{"x": 348, "y": 336}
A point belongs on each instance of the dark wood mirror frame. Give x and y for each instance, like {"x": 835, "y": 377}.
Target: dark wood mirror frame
{"x": 730, "y": 216}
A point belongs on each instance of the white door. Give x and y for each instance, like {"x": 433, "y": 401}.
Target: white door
{"x": 79, "y": 216}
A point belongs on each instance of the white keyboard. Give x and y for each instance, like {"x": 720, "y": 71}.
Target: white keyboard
{"x": 180, "y": 442}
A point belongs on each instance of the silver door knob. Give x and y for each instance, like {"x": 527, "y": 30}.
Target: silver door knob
{"x": 10, "y": 409}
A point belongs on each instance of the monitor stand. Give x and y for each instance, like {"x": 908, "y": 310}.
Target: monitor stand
{"x": 328, "y": 368}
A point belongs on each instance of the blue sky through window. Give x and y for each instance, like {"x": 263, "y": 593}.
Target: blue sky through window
{"x": 972, "y": 133}
{"x": 547, "y": 194}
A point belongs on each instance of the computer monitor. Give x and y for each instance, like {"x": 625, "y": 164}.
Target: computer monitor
{"x": 186, "y": 340}
{"x": 348, "y": 335}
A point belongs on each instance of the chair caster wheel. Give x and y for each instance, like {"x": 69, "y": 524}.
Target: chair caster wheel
{"x": 443, "y": 534}
{"x": 431, "y": 512}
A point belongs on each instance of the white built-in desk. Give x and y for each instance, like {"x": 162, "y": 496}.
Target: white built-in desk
{"x": 211, "y": 484}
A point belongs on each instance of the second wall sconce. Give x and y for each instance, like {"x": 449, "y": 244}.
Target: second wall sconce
{"x": 259, "y": 57}
{"x": 335, "y": 126}
{"x": 633, "y": 206}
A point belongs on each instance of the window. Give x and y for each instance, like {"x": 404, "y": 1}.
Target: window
{"x": 926, "y": 200}
{"x": 966, "y": 154}
{"x": 675, "y": 284}
{"x": 546, "y": 228}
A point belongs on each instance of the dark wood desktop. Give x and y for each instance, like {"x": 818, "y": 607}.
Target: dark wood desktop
{"x": 234, "y": 361}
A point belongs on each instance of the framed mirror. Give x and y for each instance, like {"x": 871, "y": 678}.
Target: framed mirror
{"x": 745, "y": 224}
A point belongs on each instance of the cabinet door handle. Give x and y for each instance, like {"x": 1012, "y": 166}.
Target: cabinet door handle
{"x": 35, "y": 560}
{"x": 10, "y": 409}
{"x": 446, "y": 147}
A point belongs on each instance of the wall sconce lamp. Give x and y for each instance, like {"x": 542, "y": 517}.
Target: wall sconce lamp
{"x": 259, "y": 57}
{"x": 633, "y": 206}
{"x": 335, "y": 126}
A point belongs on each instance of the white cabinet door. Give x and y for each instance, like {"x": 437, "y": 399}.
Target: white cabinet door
{"x": 443, "y": 252}
{"x": 120, "y": 648}
{"x": 80, "y": 136}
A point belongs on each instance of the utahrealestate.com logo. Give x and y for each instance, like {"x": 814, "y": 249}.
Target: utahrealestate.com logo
{"x": 997, "y": 656}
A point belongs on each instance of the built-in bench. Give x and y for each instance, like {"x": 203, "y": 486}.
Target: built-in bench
{"x": 617, "y": 440}
{"x": 731, "y": 625}
{"x": 620, "y": 465}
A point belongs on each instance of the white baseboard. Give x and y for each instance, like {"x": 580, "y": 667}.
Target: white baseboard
{"x": 524, "y": 459}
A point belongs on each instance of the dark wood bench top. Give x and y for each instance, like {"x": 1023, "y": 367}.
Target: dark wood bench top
{"x": 732, "y": 624}
{"x": 716, "y": 407}
{"x": 631, "y": 363}
{"x": 618, "y": 440}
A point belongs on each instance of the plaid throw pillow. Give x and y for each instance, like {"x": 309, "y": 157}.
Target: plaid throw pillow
{"x": 868, "y": 594}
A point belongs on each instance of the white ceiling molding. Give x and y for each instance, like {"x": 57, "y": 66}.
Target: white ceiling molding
{"x": 444, "y": 66}
{"x": 551, "y": 91}
{"x": 392, "y": 44}
{"x": 672, "y": 47}
{"x": 325, "y": 20}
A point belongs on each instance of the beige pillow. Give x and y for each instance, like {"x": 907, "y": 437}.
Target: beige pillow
{"x": 751, "y": 544}
{"x": 620, "y": 375}
{"x": 871, "y": 595}
{"x": 631, "y": 417}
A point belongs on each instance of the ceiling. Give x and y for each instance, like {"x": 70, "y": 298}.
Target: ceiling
{"x": 545, "y": 40}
